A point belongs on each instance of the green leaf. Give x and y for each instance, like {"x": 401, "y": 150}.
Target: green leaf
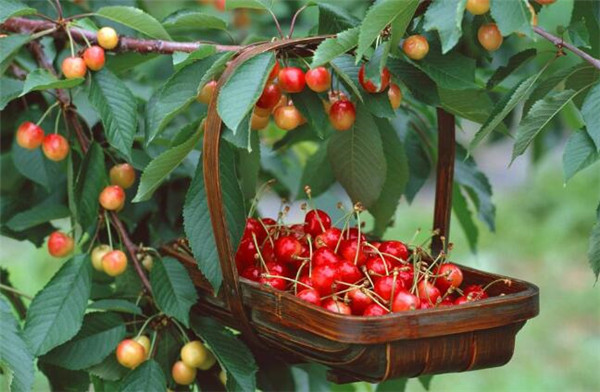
{"x": 397, "y": 385}
{"x": 90, "y": 182}
{"x": 41, "y": 79}
{"x": 249, "y": 167}
{"x": 160, "y": 167}
{"x": 64, "y": 380}
{"x": 241, "y": 137}
{"x": 474, "y": 105}
{"x": 243, "y": 88}
{"x": 374, "y": 67}
{"x": 465, "y": 219}
{"x": 347, "y": 71}
{"x": 381, "y": 14}
{"x": 396, "y": 177}
{"x": 417, "y": 81}
{"x": 14, "y": 352}
{"x": 174, "y": 96}
{"x": 37, "y": 215}
{"x": 594, "y": 250}
{"x": 254, "y": 4}
{"x": 196, "y": 218}
{"x": 173, "y": 289}
{"x": 232, "y": 353}
{"x": 513, "y": 64}
{"x": 9, "y": 90}
{"x": 446, "y": 17}
{"x": 420, "y": 163}
{"x": 33, "y": 165}
{"x": 9, "y": 46}
{"x": 591, "y": 114}
{"x": 136, "y": 19}
{"x": 379, "y": 105}
{"x": 452, "y": 71}
{"x": 190, "y": 21}
{"x": 147, "y": 377}
{"x": 357, "y": 159}
{"x": 425, "y": 381}
{"x": 317, "y": 173}
{"x": 109, "y": 369}
{"x": 580, "y": 152}
{"x": 56, "y": 312}
{"x": 116, "y": 305}
{"x": 215, "y": 69}
{"x": 333, "y": 19}
{"x": 97, "y": 339}
{"x": 310, "y": 105}
{"x": 117, "y": 108}
{"x": 334, "y": 47}
{"x": 579, "y": 34}
{"x": 11, "y": 8}
{"x": 181, "y": 59}
{"x": 512, "y": 16}
{"x": 540, "y": 115}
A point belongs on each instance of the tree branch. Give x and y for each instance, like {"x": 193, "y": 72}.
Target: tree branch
{"x": 560, "y": 43}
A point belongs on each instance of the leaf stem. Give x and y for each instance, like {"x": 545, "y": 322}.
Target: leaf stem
{"x": 13, "y": 290}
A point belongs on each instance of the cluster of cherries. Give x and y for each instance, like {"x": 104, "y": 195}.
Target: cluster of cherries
{"x": 93, "y": 56}
{"x": 343, "y": 272}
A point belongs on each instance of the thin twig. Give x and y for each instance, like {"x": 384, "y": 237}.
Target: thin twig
{"x": 4, "y": 287}
{"x": 293, "y": 24}
{"x": 560, "y": 43}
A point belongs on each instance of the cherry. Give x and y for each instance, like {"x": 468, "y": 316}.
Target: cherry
{"x": 251, "y": 273}
{"x": 219, "y": 5}
{"x": 323, "y": 278}
{"x": 275, "y": 71}
{"x": 368, "y": 85}
{"x": 194, "y": 354}
{"x": 385, "y": 286}
{"x": 318, "y": 79}
{"x": 278, "y": 269}
{"x": 182, "y": 373}
{"x": 310, "y": 295}
{"x": 348, "y": 250}
{"x": 287, "y": 117}
{"x": 94, "y": 57}
{"x": 375, "y": 310}
{"x": 478, "y": 7}
{"x": 545, "y": 2}
{"x": 451, "y": 276}
{"x": 348, "y": 272}
{"x": 342, "y": 115}
{"x": 254, "y": 226}
{"x": 145, "y": 343}
{"x": 269, "y": 97}
{"x": 428, "y": 292}
{"x": 29, "y": 135}
{"x": 448, "y": 301}
{"x": 112, "y": 198}
{"x": 258, "y": 122}
{"x": 416, "y": 47}
{"x": 403, "y": 300}
{"x": 73, "y": 67}
{"x": 107, "y": 38}
{"x": 60, "y": 244}
{"x": 323, "y": 256}
{"x": 406, "y": 274}
{"x": 475, "y": 291}
{"x": 114, "y": 263}
{"x": 396, "y": 249}
{"x": 395, "y": 96}
{"x": 316, "y": 222}
{"x": 206, "y": 92}
{"x": 306, "y": 281}
{"x": 276, "y": 283}
{"x": 97, "y": 254}
{"x": 122, "y": 175}
{"x": 268, "y": 252}
{"x": 353, "y": 233}
{"x": 463, "y": 300}
{"x": 130, "y": 353}
{"x": 291, "y": 79}
{"x": 337, "y": 307}
{"x": 359, "y": 301}
{"x": 489, "y": 36}
{"x": 287, "y": 249}
{"x": 246, "y": 254}
{"x": 55, "y": 147}
{"x": 378, "y": 266}
{"x": 328, "y": 238}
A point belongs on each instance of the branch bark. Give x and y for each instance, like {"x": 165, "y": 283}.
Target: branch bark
{"x": 560, "y": 43}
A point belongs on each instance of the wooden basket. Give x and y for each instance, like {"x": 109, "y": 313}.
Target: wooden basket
{"x": 472, "y": 336}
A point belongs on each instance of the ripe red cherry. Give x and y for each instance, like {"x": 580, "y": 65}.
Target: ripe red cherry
{"x": 94, "y": 57}
{"x": 448, "y": 301}
{"x": 323, "y": 278}
{"x": 426, "y": 305}
{"x": 305, "y": 281}
{"x": 246, "y": 254}
{"x": 274, "y": 71}
{"x": 291, "y": 79}
{"x": 29, "y": 135}
{"x": 416, "y": 47}
{"x": 328, "y": 238}
{"x": 451, "y": 276}
{"x": 348, "y": 250}
{"x": 337, "y": 307}
{"x": 368, "y": 85}
{"x": 278, "y": 269}
{"x": 112, "y": 198}
{"x": 385, "y": 285}
{"x": 316, "y": 222}
{"x": 73, "y": 67}
{"x": 324, "y": 256}
{"x": 130, "y": 353}
{"x": 288, "y": 117}
{"x": 403, "y": 300}
{"x": 406, "y": 274}
{"x": 489, "y": 36}
{"x": 114, "y": 262}
{"x": 122, "y": 175}
{"x": 269, "y": 97}
{"x": 310, "y": 295}
{"x": 463, "y": 300}
{"x": 353, "y": 233}
{"x": 359, "y": 301}
{"x": 60, "y": 244}
{"x": 394, "y": 248}
{"x": 375, "y": 310}
{"x": 348, "y": 272}
{"x": 395, "y": 96}
{"x": 276, "y": 283}
{"x": 475, "y": 291}
{"x": 318, "y": 79}
{"x": 268, "y": 252}
{"x": 377, "y": 266}
{"x": 55, "y": 147}
{"x": 206, "y": 92}
{"x": 287, "y": 249}
{"x": 342, "y": 115}
{"x": 254, "y": 226}
{"x": 251, "y": 273}
{"x": 428, "y": 292}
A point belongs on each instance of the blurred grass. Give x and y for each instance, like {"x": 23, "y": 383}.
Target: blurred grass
{"x": 542, "y": 234}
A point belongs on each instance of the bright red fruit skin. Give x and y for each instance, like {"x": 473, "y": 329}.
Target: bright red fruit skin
{"x": 316, "y": 222}
{"x": 462, "y": 300}
{"x": 369, "y": 86}
{"x": 451, "y": 276}
{"x": 269, "y": 97}
{"x": 353, "y": 233}
{"x": 475, "y": 291}
{"x": 403, "y": 300}
{"x": 287, "y": 117}
{"x": 274, "y": 71}
{"x": 406, "y": 274}
{"x": 348, "y": 250}
{"x": 278, "y": 269}
{"x": 112, "y": 198}
{"x": 395, "y": 95}
{"x": 246, "y": 254}
{"x": 324, "y": 256}
{"x": 348, "y": 272}
{"x": 114, "y": 262}
{"x": 328, "y": 238}
{"x": 276, "y": 283}
{"x": 29, "y": 135}
{"x": 251, "y": 273}
{"x": 377, "y": 266}
{"x": 428, "y": 292}
{"x": 310, "y": 295}
{"x": 359, "y": 301}
{"x": 55, "y": 147}
{"x": 318, "y": 79}
{"x": 60, "y": 244}
{"x": 375, "y": 310}
{"x": 323, "y": 278}
{"x": 254, "y": 226}
{"x": 342, "y": 115}
{"x": 73, "y": 67}
{"x": 287, "y": 249}
{"x": 291, "y": 79}
{"x": 337, "y": 307}
{"x": 306, "y": 281}
{"x": 387, "y": 285}
{"x": 94, "y": 57}
{"x": 394, "y": 248}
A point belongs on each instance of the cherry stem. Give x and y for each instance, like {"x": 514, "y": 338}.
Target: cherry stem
{"x": 263, "y": 188}
{"x": 108, "y": 231}
{"x": 293, "y": 23}
{"x": 151, "y": 351}
{"x": 71, "y": 43}
{"x": 15, "y": 291}
{"x": 387, "y": 272}
{"x": 184, "y": 335}
{"x": 507, "y": 282}
{"x": 277, "y": 25}
{"x": 141, "y": 331}
{"x": 262, "y": 261}
{"x": 50, "y": 108}
{"x": 369, "y": 294}
{"x": 286, "y": 278}
{"x": 298, "y": 275}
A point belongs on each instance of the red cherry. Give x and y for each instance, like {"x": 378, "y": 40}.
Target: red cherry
{"x": 369, "y": 86}
{"x": 291, "y": 79}
{"x": 394, "y": 248}
{"x": 122, "y": 175}
{"x": 328, "y": 238}
{"x": 60, "y": 244}
{"x": 278, "y": 269}
{"x": 112, "y": 198}
{"x": 29, "y": 135}
{"x": 114, "y": 262}
{"x": 353, "y": 233}
{"x": 406, "y": 274}
{"x": 268, "y": 252}
{"x": 287, "y": 249}
{"x": 416, "y": 47}
{"x": 475, "y": 291}
{"x": 305, "y": 281}
{"x": 428, "y": 292}
{"x": 251, "y": 273}
{"x": 310, "y": 295}
{"x": 395, "y": 96}
{"x": 342, "y": 115}
{"x": 274, "y": 71}
{"x": 94, "y": 57}
{"x": 385, "y": 285}
{"x": 359, "y": 301}
{"x": 55, "y": 147}
{"x": 269, "y": 97}
{"x": 348, "y": 250}
{"x": 375, "y": 310}
{"x": 324, "y": 256}
{"x": 337, "y": 307}
{"x": 403, "y": 300}
{"x": 73, "y": 67}
{"x": 288, "y": 117}
{"x": 318, "y": 79}
{"x": 246, "y": 254}
{"x": 316, "y": 222}
{"x": 348, "y": 272}
{"x": 297, "y": 231}
{"x": 254, "y": 226}
{"x": 220, "y": 5}
{"x": 426, "y": 305}
{"x": 323, "y": 278}
{"x": 276, "y": 283}
{"x": 448, "y": 301}
{"x": 377, "y": 266}
{"x": 451, "y": 276}
{"x": 463, "y": 300}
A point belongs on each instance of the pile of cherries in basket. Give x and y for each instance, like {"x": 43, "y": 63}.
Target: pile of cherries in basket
{"x": 344, "y": 272}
